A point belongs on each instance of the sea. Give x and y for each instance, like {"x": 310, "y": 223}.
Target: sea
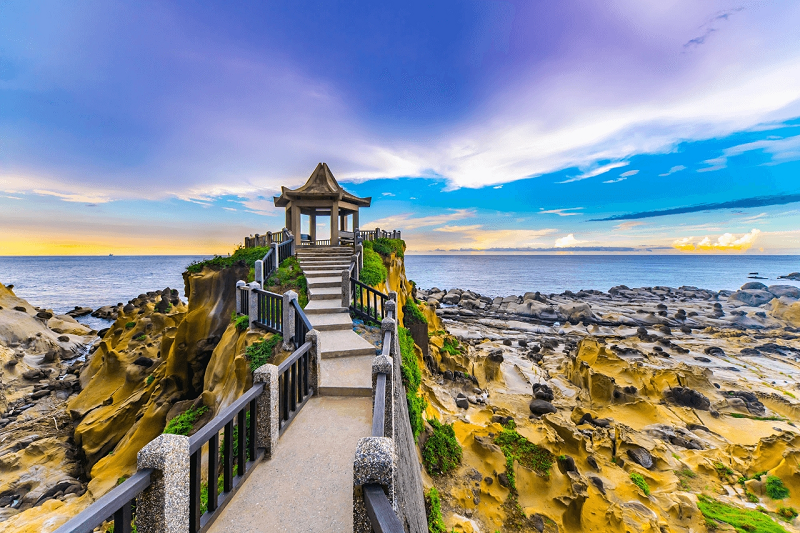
{"x": 61, "y": 283}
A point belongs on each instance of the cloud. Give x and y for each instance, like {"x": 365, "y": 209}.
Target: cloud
{"x": 387, "y": 194}
{"x": 780, "y": 150}
{"x": 673, "y": 170}
{"x": 561, "y": 212}
{"x": 596, "y": 172}
{"x": 12, "y": 197}
{"x": 475, "y": 236}
{"x": 743, "y": 203}
{"x": 75, "y": 197}
{"x": 458, "y": 229}
{"x": 615, "y": 181}
{"x": 498, "y": 187}
{"x": 726, "y": 242}
{"x": 406, "y": 221}
{"x": 628, "y": 225}
{"x": 566, "y": 242}
{"x": 629, "y": 173}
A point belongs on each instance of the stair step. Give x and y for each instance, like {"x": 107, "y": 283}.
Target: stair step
{"x": 325, "y": 293}
{"x": 346, "y": 376}
{"x": 345, "y": 344}
{"x": 323, "y": 274}
{"x": 321, "y": 307}
{"x": 324, "y": 281}
{"x": 331, "y": 321}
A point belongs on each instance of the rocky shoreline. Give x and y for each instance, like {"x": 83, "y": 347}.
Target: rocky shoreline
{"x": 671, "y": 384}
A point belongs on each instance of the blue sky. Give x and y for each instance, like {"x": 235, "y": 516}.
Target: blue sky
{"x": 569, "y": 127}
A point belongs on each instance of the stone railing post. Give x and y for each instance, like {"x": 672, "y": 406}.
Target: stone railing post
{"x": 346, "y": 296}
{"x": 315, "y": 358}
{"x": 267, "y": 429}
{"x": 375, "y": 462}
{"x": 275, "y": 262}
{"x": 391, "y": 311}
{"x": 258, "y": 268}
{"x": 377, "y": 233}
{"x": 359, "y": 249}
{"x": 269, "y": 239}
{"x": 239, "y": 285}
{"x": 287, "y": 320}
{"x": 164, "y": 505}
{"x": 253, "y": 298}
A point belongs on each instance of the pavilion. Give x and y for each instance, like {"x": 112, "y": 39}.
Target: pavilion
{"x": 321, "y": 196}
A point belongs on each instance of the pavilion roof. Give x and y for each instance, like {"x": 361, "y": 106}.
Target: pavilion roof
{"x": 321, "y": 185}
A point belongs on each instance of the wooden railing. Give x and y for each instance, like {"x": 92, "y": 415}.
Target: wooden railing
{"x": 270, "y": 311}
{"x": 285, "y": 250}
{"x": 118, "y": 505}
{"x": 294, "y": 389}
{"x": 301, "y": 324}
{"x": 245, "y": 428}
{"x": 367, "y": 303}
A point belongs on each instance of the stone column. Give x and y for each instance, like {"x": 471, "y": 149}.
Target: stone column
{"x": 355, "y": 219}
{"x": 374, "y": 463}
{"x": 346, "y": 296}
{"x": 164, "y": 505}
{"x": 258, "y": 268}
{"x": 377, "y": 233}
{"x": 267, "y": 416}
{"x": 274, "y": 256}
{"x": 315, "y": 360}
{"x": 239, "y": 284}
{"x": 295, "y": 227}
{"x": 384, "y": 365}
{"x": 253, "y": 314}
{"x": 269, "y": 238}
{"x": 312, "y": 226}
{"x": 359, "y": 248}
{"x": 335, "y": 224}
{"x": 288, "y": 320}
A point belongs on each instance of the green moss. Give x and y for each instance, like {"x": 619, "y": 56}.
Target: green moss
{"x": 130, "y": 325}
{"x": 752, "y": 498}
{"x": 140, "y": 337}
{"x": 517, "y": 448}
{"x": 452, "y": 346}
{"x": 386, "y": 247}
{"x": 259, "y": 353}
{"x": 149, "y": 379}
{"x": 122, "y": 479}
{"x": 742, "y": 520}
{"x": 416, "y": 406}
{"x": 289, "y": 277}
{"x": 640, "y": 482}
{"x": 184, "y": 422}
{"x": 374, "y": 272}
{"x": 775, "y": 488}
{"x": 242, "y": 323}
{"x": 433, "y": 506}
{"x": 412, "y": 377}
{"x": 752, "y": 417}
{"x": 248, "y": 256}
{"x": 787, "y": 513}
{"x": 412, "y": 313}
{"x": 441, "y": 453}
{"x": 722, "y": 470}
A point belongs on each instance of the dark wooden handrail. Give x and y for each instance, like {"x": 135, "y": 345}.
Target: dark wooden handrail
{"x": 116, "y": 502}
{"x": 380, "y": 511}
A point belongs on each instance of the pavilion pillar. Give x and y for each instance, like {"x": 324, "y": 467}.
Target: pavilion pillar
{"x": 295, "y": 228}
{"x": 335, "y": 224}
{"x": 355, "y": 220}
{"x": 312, "y": 226}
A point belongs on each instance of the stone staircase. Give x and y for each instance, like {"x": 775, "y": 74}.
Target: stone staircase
{"x": 346, "y": 368}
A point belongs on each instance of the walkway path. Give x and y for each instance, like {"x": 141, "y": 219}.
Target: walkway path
{"x": 308, "y": 484}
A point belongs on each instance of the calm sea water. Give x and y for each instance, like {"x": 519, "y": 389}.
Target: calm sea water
{"x": 61, "y": 283}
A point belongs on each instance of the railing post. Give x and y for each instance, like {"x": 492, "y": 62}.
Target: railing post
{"x": 314, "y": 359}
{"x": 346, "y": 296}
{"x": 275, "y": 260}
{"x": 359, "y": 249}
{"x": 259, "y": 272}
{"x": 267, "y": 416}
{"x": 384, "y": 365}
{"x": 374, "y": 463}
{"x": 239, "y": 285}
{"x": 164, "y": 505}
{"x": 253, "y": 300}
{"x": 377, "y": 233}
{"x": 287, "y": 320}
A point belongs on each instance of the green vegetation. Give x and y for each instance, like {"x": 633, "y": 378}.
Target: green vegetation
{"x": 220, "y": 489}
{"x": 451, "y": 346}
{"x": 752, "y": 498}
{"x": 248, "y": 255}
{"x": 434, "y": 508}
{"x": 374, "y": 272}
{"x": 722, "y": 470}
{"x": 289, "y": 276}
{"x": 515, "y": 447}
{"x": 752, "y": 417}
{"x": 775, "y": 488}
{"x": 789, "y": 394}
{"x": 742, "y": 520}
{"x": 140, "y": 337}
{"x": 412, "y": 313}
{"x": 149, "y": 379}
{"x": 260, "y": 352}
{"x": 412, "y": 377}
{"x": 385, "y": 247}
{"x": 441, "y": 453}
{"x": 685, "y": 474}
{"x": 184, "y": 422}
{"x": 787, "y": 513}
{"x": 130, "y": 325}
{"x": 640, "y": 482}
{"x": 241, "y": 322}
{"x": 122, "y": 479}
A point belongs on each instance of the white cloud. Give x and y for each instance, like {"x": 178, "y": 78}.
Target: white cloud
{"x": 781, "y": 149}
{"x": 629, "y": 173}
{"x": 673, "y": 170}
{"x": 624, "y": 226}
{"x": 561, "y": 212}
{"x": 615, "y": 181}
{"x": 75, "y": 196}
{"x": 566, "y": 242}
{"x": 387, "y": 194}
{"x": 406, "y": 221}
{"x": 726, "y": 242}
{"x": 595, "y": 172}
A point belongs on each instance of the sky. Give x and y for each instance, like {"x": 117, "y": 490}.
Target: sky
{"x": 621, "y": 126}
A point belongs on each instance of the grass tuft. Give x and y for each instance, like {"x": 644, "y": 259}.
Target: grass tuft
{"x": 184, "y": 422}
{"x": 289, "y": 276}
{"x": 742, "y": 520}
{"x": 433, "y": 506}
{"x": 441, "y": 453}
{"x": 640, "y": 482}
{"x": 374, "y": 272}
{"x": 247, "y": 255}
{"x": 775, "y": 488}
{"x": 260, "y": 352}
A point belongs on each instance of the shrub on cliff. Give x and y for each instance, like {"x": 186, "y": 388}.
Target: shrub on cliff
{"x": 775, "y": 488}
{"x": 441, "y": 453}
{"x": 289, "y": 277}
{"x": 184, "y": 422}
{"x": 260, "y": 352}
{"x": 433, "y": 506}
{"x": 385, "y": 247}
{"x": 248, "y": 255}
{"x": 412, "y": 377}
{"x": 412, "y": 313}
{"x": 374, "y": 271}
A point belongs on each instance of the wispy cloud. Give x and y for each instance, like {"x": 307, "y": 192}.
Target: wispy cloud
{"x": 673, "y": 170}
{"x": 566, "y": 212}
{"x": 387, "y": 194}
{"x": 408, "y": 221}
{"x": 615, "y": 181}
{"x": 596, "y": 172}
{"x": 625, "y": 226}
{"x": 780, "y": 149}
{"x": 629, "y": 173}
{"x": 743, "y": 203}
{"x": 75, "y": 196}
{"x": 726, "y": 242}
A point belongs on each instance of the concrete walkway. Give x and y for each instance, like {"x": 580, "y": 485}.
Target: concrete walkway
{"x": 308, "y": 485}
